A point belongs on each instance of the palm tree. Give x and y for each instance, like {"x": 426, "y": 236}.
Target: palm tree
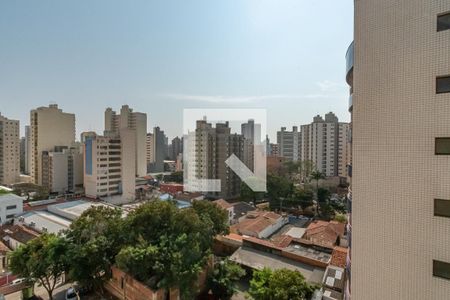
{"x": 317, "y": 175}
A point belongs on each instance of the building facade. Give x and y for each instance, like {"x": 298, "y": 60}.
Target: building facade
{"x": 109, "y": 166}
{"x": 214, "y": 145}
{"x": 400, "y": 245}
{"x": 50, "y": 127}
{"x": 9, "y": 151}
{"x": 135, "y": 121}
{"x": 159, "y": 150}
{"x": 289, "y": 143}
{"x": 62, "y": 170}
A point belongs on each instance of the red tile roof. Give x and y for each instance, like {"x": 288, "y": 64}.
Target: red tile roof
{"x": 324, "y": 234}
{"x": 256, "y": 222}
{"x": 222, "y": 203}
{"x": 339, "y": 257}
{"x": 282, "y": 240}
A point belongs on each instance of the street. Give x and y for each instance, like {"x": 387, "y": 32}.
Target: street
{"x": 58, "y": 294}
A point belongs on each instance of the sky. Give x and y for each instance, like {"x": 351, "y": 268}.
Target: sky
{"x": 160, "y": 57}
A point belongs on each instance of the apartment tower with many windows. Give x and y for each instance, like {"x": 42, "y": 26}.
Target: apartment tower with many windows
{"x": 9, "y": 151}
{"x": 400, "y": 246}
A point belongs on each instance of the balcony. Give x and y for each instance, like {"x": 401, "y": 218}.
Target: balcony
{"x": 349, "y": 57}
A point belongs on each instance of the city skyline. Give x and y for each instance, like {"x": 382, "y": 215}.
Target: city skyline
{"x": 211, "y": 55}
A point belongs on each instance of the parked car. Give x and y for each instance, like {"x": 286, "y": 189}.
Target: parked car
{"x": 18, "y": 281}
{"x": 71, "y": 294}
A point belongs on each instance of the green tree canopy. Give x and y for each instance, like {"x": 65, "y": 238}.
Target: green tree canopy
{"x": 222, "y": 280}
{"x": 43, "y": 259}
{"x": 176, "y": 242}
{"x": 96, "y": 237}
{"x": 282, "y": 284}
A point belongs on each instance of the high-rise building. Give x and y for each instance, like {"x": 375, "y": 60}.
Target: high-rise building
{"x": 27, "y": 158}
{"x": 109, "y": 165}
{"x": 23, "y": 146}
{"x": 50, "y": 127}
{"x": 252, "y": 137}
{"x": 400, "y": 79}
{"x": 159, "y": 150}
{"x": 214, "y": 145}
{"x": 62, "y": 169}
{"x": 289, "y": 143}
{"x": 9, "y": 151}
{"x": 325, "y": 143}
{"x": 177, "y": 148}
{"x": 136, "y": 121}
{"x": 150, "y": 149}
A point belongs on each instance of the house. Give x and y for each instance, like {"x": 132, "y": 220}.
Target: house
{"x": 189, "y": 196}
{"x": 13, "y": 236}
{"x": 323, "y": 234}
{"x": 259, "y": 224}
{"x": 4, "y": 250}
{"x": 10, "y": 206}
{"x": 240, "y": 211}
{"x": 225, "y": 205}
{"x": 171, "y": 188}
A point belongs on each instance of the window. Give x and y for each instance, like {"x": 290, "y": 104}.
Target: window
{"x": 443, "y": 22}
{"x": 441, "y": 269}
{"x": 10, "y": 216}
{"x": 442, "y": 146}
{"x": 443, "y": 84}
{"x": 11, "y": 207}
{"x": 442, "y": 208}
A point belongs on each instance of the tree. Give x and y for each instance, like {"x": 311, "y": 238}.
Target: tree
{"x": 213, "y": 215}
{"x": 278, "y": 189}
{"x": 96, "y": 237}
{"x": 43, "y": 259}
{"x": 249, "y": 195}
{"x": 323, "y": 195}
{"x": 174, "y": 177}
{"x": 282, "y": 284}
{"x": 304, "y": 197}
{"x": 341, "y": 218}
{"x": 222, "y": 280}
{"x": 317, "y": 175}
{"x": 177, "y": 242}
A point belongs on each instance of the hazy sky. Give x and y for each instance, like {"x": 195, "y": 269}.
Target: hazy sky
{"x": 162, "y": 56}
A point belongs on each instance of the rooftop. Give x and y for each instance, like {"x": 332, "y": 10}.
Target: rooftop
{"x": 258, "y": 260}
{"x": 339, "y": 257}
{"x": 72, "y": 210}
{"x": 241, "y": 209}
{"x": 17, "y": 232}
{"x": 309, "y": 253}
{"x": 222, "y": 203}
{"x": 323, "y": 234}
{"x": 44, "y": 221}
{"x": 255, "y": 222}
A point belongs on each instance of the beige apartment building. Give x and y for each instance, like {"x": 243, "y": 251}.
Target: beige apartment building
{"x": 136, "y": 121}
{"x": 214, "y": 145}
{"x": 50, "y": 127}
{"x": 9, "y": 151}
{"x": 289, "y": 143}
{"x": 325, "y": 143}
{"x": 62, "y": 170}
{"x": 400, "y": 228}
{"x": 109, "y": 165}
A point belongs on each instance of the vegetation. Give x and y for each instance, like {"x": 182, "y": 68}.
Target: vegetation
{"x": 174, "y": 177}
{"x": 248, "y": 195}
{"x": 4, "y": 192}
{"x": 341, "y": 218}
{"x": 282, "y": 284}
{"x": 298, "y": 170}
{"x": 222, "y": 280}
{"x": 158, "y": 244}
{"x": 43, "y": 259}
{"x": 33, "y": 192}
{"x": 95, "y": 239}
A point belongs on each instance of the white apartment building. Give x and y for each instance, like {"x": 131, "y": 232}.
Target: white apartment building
{"x": 289, "y": 143}
{"x": 400, "y": 246}
{"x": 325, "y": 143}
{"x": 11, "y": 205}
{"x": 50, "y": 127}
{"x": 136, "y": 121}
{"x": 9, "y": 151}
{"x": 109, "y": 165}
